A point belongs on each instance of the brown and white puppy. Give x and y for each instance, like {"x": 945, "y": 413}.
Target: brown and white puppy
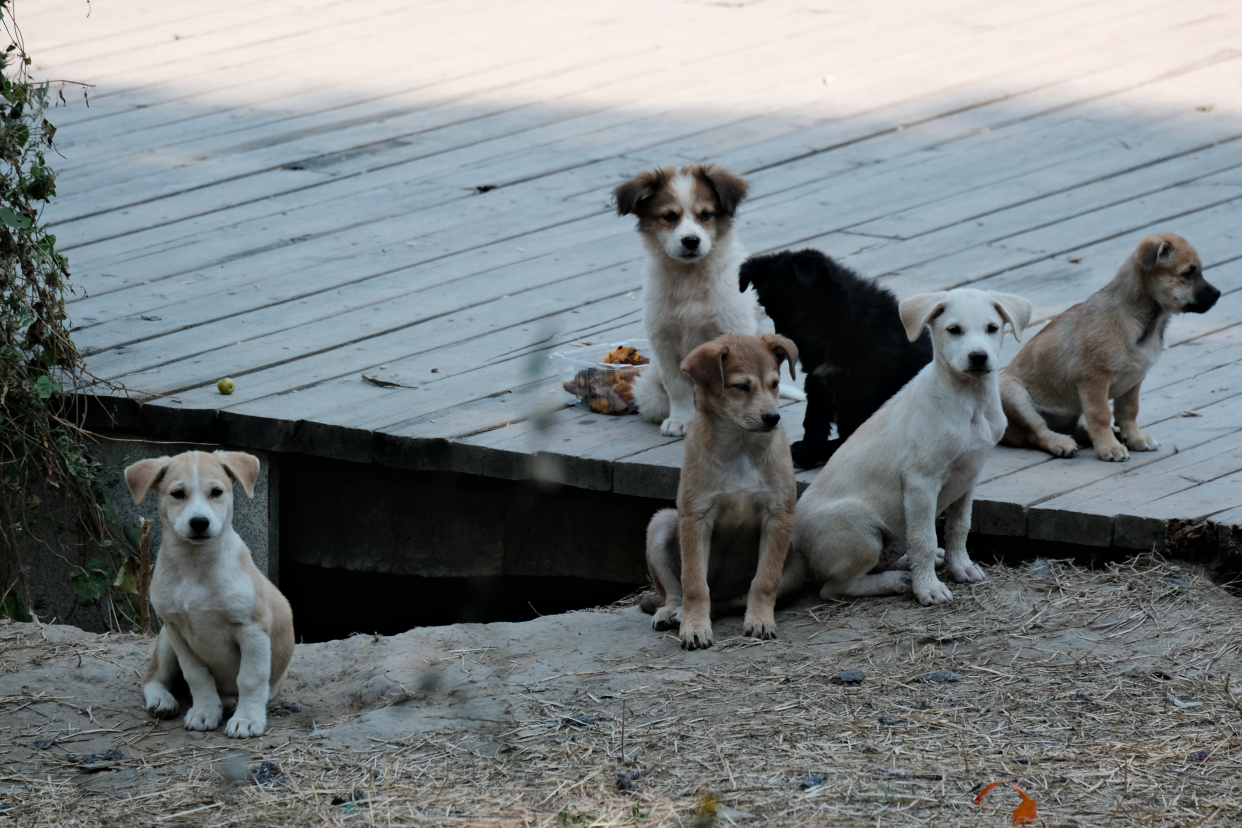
{"x": 736, "y": 499}
{"x": 227, "y": 629}
{"x": 685, "y": 218}
{"x": 1100, "y": 350}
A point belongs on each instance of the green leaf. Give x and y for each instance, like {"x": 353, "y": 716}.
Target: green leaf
{"x": 14, "y": 219}
{"x": 46, "y": 386}
{"x": 127, "y": 578}
{"x": 89, "y": 583}
{"x": 11, "y": 609}
{"x": 133, "y": 535}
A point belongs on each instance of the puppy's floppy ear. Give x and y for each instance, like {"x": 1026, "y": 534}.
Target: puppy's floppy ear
{"x": 1151, "y": 250}
{"x": 638, "y": 189}
{"x": 918, "y": 310}
{"x": 242, "y": 467}
{"x": 144, "y": 474}
{"x": 705, "y": 366}
{"x": 782, "y": 348}
{"x": 1013, "y": 309}
{"x": 730, "y": 188}
{"x": 753, "y": 271}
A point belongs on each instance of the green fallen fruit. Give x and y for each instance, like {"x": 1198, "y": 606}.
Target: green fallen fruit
{"x": 226, "y": 386}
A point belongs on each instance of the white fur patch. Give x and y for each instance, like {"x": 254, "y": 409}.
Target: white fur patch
{"x": 682, "y": 187}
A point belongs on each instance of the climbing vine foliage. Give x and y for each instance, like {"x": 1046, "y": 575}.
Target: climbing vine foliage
{"x": 52, "y": 511}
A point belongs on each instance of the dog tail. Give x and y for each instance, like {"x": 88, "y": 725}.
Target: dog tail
{"x": 650, "y": 602}
{"x": 791, "y": 392}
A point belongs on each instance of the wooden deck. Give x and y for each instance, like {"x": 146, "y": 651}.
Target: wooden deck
{"x": 294, "y": 194}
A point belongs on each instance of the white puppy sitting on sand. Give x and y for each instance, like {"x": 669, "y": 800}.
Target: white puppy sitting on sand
{"x": 227, "y": 629}
{"x": 918, "y": 456}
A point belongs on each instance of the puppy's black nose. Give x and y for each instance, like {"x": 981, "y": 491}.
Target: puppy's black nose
{"x": 771, "y": 418}
{"x": 1205, "y": 299}
{"x": 199, "y": 524}
{"x": 978, "y": 359}
{"x": 690, "y": 242}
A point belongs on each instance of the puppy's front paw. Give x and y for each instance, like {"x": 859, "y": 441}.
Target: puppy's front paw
{"x": 697, "y": 635}
{"x": 240, "y": 728}
{"x": 1112, "y": 451}
{"x": 759, "y": 626}
{"x": 932, "y": 592}
{"x": 967, "y": 573}
{"x": 1141, "y": 442}
{"x": 159, "y": 701}
{"x": 666, "y": 618}
{"x": 808, "y": 455}
{"x": 203, "y": 718}
{"x": 1062, "y": 445}
{"x": 673, "y": 427}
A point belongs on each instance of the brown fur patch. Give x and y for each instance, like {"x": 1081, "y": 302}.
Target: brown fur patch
{"x": 650, "y": 196}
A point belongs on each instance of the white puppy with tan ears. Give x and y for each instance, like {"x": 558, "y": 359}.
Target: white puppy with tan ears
{"x": 918, "y": 456}
{"x": 690, "y": 297}
{"x": 227, "y": 628}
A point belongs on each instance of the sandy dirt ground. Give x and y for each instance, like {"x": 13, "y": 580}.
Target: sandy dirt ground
{"x": 1103, "y": 694}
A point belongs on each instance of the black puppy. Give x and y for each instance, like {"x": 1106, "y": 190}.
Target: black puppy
{"x": 850, "y": 341}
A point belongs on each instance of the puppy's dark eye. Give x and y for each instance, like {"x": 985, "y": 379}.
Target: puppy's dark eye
{"x": 993, "y": 328}
{"x": 956, "y": 330}
{"x": 1191, "y": 274}
{"x": 706, "y": 215}
{"x": 216, "y": 492}
{"x": 743, "y": 386}
{"x": 178, "y": 495}
{"x": 670, "y": 217}
{"x": 776, "y": 384}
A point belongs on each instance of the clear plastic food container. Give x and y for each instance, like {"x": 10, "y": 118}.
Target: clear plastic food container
{"x": 588, "y": 377}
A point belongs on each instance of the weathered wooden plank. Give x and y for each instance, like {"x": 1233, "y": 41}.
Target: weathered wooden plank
{"x": 1062, "y": 478}
{"x": 268, "y": 240}
{"x": 231, "y": 96}
{"x": 575, "y": 62}
{"x": 1159, "y": 519}
{"x": 1138, "y": 493}
{"x": 226, "y": 313}
{"x": 404, "y": 328}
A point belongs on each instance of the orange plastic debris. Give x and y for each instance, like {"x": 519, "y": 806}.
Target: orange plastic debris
{"x": 1025, "y": 812}
{"x": 625, "y": 355}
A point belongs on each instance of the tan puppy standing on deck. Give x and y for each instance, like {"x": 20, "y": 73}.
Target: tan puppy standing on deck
{"x": 724, "y": 547}
{"x": 1101, "y": 350}
{"x": 227, "y": 628}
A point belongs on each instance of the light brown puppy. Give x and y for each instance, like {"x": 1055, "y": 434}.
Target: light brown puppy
{"x": 724, "y": 547}
{"x": 227, "y": 628}
{"x": 1100, "y": 350}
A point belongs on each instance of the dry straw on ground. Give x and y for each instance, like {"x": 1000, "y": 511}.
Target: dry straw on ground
{"x": 1105, "y": 694}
